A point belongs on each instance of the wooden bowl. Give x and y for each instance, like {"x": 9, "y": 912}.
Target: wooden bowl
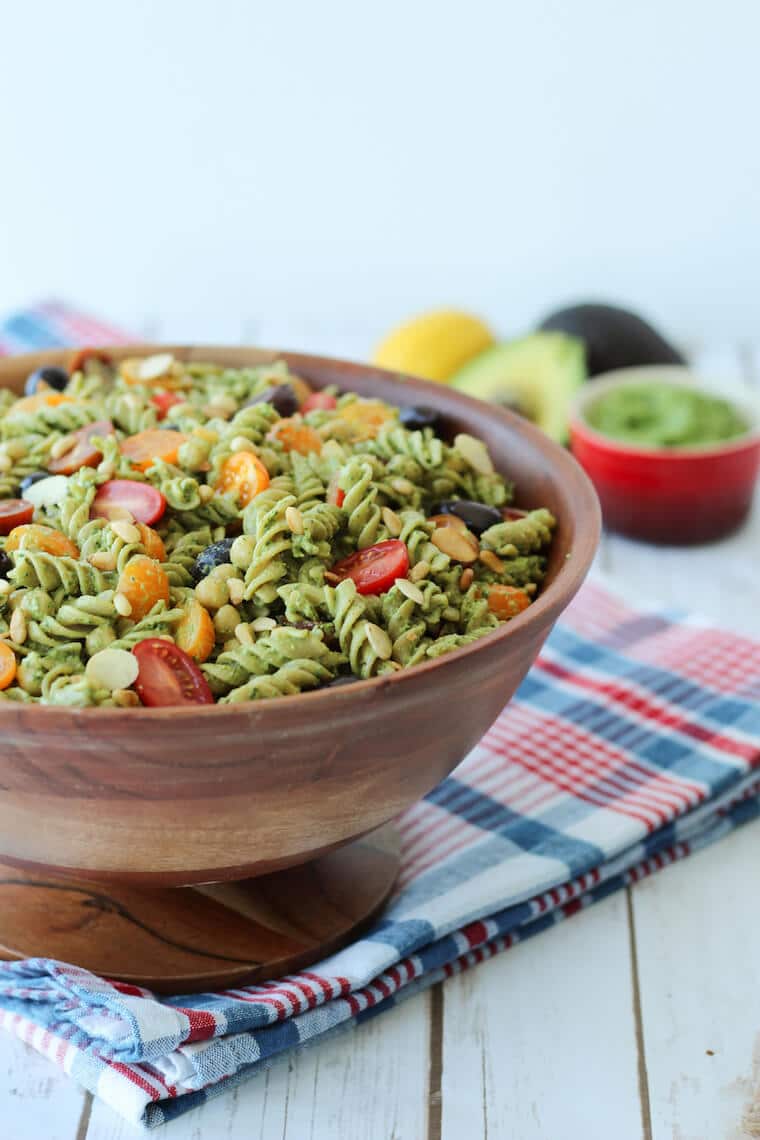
{"x": 161, "y": 797}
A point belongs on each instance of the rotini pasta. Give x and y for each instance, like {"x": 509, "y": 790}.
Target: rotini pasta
{"x": 204, "y": 521}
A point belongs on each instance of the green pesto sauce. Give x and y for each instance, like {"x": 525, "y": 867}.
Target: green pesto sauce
{"x": 665, "y": 415}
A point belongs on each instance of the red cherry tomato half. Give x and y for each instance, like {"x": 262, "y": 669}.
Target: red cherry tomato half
{"x": 375, "y": 569}
{"x": 319, "y": 401}
{"x": 80, "y": 358}
{"x": 168, "y": 676}
{"x": 336, "y": 496}
{"x": 146, "y": 504}
{"x": 14, "y": 512}
{"x": 81, "y": 453}
{"x": 163, "y": 401}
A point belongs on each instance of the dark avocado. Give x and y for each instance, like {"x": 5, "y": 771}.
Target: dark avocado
{"x": 613, "y": 337}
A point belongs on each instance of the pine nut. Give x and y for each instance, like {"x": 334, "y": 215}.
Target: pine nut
{"x": 125, "y": 698}
{"x": 474, "y": 452}
{"x": 6, "y": 463}
{"x": 206, "y": 493}
{"x": 333, "y": 579}
{"x": 294, "y": 519}
{"x": 114, "y": 514}
{"x": 240, "y": 443}
{"x": 243, "y": 633}
{"x": 5, "y": 587}
{"x": 466, "y": 580}
{"x": 103, "y": 560}
{"x": 403, "y": 487}
{"x": 122, "y": 605}
{"x": 392, "y": 522}
{"x": 236, "y": 588}
{"x": 492, "y": 561}
{"x": 414, "y": 593}
{"x": 61, "y": 446}
{"x": 448, "y": 520}
{"x": 226, "y": 620}
{"x": 127, "y": 532}
{"x": 263, "y": 624}
{"x": 18, "y": 627}
{"x": 421, "y": 570}
{"x": 379, "y": 640}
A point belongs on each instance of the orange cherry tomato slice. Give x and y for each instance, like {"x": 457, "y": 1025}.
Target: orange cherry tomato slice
{"x": 366, "y": 417}
{"x": 30, "y": 404}
{"x": 163, "y": 401}
{"x": 8, "y": 665}
{"x": 33, "y": 536}
{"x": 146, "y": 504}
{"x": 295, "y": 436}
{"x": 376, "y": 568}
{"x": 319, "y": 401}
{"x": 507, "y": 601}
{"x": 169, "y": 676}
{"x": 143, "y": 583}
{"x": 81, "y": 453}
{"x": 79, "y": 359}
{"x": 13, "y": 513}
{"x": 195, "y": 633}
{"x": 244, "y": 475}
{"x": 153, "y": 543}
{"x": 147, "y": 446}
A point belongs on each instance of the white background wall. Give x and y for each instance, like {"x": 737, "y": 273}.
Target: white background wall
{"x": 335, "y": 165}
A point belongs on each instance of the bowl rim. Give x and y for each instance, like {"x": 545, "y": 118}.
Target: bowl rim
{"x": 547, "y": 606}
{"x": 675, "y": 375}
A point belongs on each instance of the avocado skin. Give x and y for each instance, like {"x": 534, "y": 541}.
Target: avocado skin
{"x": 613, "y": 337}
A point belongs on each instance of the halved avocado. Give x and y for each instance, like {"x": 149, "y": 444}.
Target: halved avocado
{"x": 536, "y": 376}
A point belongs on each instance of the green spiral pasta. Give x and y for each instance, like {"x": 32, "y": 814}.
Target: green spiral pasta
{"x": 330, "y": 569}
{"x": 520, "y": 536}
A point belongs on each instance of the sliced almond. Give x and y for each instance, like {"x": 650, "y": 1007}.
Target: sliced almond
{"x": 475, "y": 452}
{"x": 125, "y": 698}
{"x": 112, "y": 669}
{"x": 409, "y": 590}
{"x": 127, "y": 532}
{"x": 492, "y": 561}
{"x": 294, "y": 519}
{"x": 379, "y": 640}
{"x": 393, "y": 523}
{"x": 448, "y": 520}
{"x": 153, "y": 367}
{"x": 461, "y": 546}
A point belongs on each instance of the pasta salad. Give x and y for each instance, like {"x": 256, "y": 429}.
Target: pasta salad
{"x": 188, "y": 533}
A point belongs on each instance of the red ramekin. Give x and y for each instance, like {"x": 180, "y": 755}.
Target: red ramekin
{"x": 676, "y": 496}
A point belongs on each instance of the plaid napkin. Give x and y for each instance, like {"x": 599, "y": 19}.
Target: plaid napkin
{"x": 631, "y": 743}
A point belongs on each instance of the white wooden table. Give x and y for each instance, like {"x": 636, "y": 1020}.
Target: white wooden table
{"x": 637, "y": 1020}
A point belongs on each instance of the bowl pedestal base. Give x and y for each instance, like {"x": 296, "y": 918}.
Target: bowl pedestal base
{"x": 189, "y": 939}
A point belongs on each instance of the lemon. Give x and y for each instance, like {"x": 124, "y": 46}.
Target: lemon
{"x": 434, "y": 345}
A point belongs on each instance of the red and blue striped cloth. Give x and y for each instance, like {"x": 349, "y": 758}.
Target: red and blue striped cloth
{"x": 634, "y": 741}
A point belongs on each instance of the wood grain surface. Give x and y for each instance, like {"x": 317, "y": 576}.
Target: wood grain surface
{"x": 181, "y": 939}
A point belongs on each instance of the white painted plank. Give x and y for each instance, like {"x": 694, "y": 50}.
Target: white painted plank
{"x": 37, "y": 1098}
{"x": 539, "y": 1043}
{"x": 697, "y": 935}
{"x": 365, "y": 1084}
